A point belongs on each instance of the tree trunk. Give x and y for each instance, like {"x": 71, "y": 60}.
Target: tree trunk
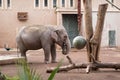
{"x": 88, "y": 66}
{"x": 93, "y": 42}
{"x": 96, "y": 39}
{"x": 88, "y": 25}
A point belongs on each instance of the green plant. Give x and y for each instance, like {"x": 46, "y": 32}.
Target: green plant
{"x": 2, "y": 77}
{"x": 25, "y": 73}
{"x": 11, "y": 78}
{"x": 55, "y": 71}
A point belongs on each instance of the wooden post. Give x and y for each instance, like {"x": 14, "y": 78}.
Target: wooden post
{"x": 96, "y": 39}
{"x": 88, "y": 25}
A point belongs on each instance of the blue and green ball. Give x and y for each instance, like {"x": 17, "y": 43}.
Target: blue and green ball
{"x": 79, "y": 42}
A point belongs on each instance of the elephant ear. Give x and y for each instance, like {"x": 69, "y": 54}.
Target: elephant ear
{"x": 54, "y": 36}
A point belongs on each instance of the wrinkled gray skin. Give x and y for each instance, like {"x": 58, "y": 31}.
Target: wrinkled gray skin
{"x": 39, "y": 36}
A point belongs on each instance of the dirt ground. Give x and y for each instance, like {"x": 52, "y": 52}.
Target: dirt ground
{"x": 36, "y": 59}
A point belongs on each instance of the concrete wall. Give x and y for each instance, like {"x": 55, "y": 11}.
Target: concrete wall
{"x": 111, "y": 23}
{"x": 9, "y": 23}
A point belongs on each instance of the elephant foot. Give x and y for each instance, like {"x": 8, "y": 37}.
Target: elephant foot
{"x": 46, "y": 62}
{"x": 53, "y": 61}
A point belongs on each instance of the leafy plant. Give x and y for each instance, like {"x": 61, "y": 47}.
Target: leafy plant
{"x": 11, "y": 78}
{"x": 55, "y": 71}
{"x": 25, "y": 73}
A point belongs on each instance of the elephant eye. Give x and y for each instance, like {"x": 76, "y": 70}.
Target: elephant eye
{"x": 65, "y": 37}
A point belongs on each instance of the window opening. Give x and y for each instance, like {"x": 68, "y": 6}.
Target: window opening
{"x": 63, "y": 3}
{"x": 71, "y": 3}
{"x": 45, "y": 3}
{"x": 36, "y": 3}
{"x": 54, "y": 3}
{"x": 0, "y": 3}
{"x": 8, "y": 3}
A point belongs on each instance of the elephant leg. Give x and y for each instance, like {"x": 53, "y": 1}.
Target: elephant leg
{"x": 53, "y": 53}
{"x": 46, "y": 54}
{"x": 23, "y": 52}
{"x": 21, "y": 47}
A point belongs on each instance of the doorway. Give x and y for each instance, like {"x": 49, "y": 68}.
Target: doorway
{"x": 71, "y": 25}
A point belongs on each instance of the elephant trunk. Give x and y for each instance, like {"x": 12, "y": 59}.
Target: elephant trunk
{"x": 66, "y": 48}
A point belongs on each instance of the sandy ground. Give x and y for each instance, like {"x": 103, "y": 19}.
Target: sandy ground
{"x": 36, "y": 59}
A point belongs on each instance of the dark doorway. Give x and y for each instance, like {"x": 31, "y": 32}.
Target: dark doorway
{"x": 71, "y": 25}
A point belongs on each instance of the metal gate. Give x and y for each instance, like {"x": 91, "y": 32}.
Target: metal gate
{"x": 71, "y": 25}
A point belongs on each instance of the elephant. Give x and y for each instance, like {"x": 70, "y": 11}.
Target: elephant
{"x": 35, "y": 37}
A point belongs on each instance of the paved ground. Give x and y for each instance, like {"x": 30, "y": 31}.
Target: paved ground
{"x": 36, "y": 59}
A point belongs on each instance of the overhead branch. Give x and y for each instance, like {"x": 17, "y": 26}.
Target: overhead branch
{"x": 113, "y": 5}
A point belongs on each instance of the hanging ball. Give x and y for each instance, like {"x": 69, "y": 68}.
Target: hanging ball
{"x": 79, "y": 42}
